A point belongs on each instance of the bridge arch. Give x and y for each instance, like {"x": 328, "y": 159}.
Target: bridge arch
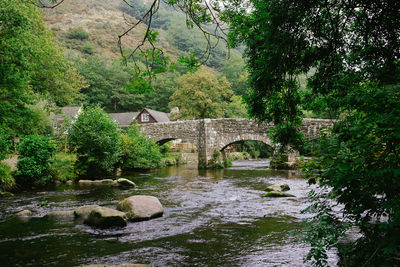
{"x": 248, "y": 137}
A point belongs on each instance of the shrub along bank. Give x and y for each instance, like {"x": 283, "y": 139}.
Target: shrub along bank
{"x": 94, "y": 148}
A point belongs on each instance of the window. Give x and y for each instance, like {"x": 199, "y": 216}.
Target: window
{"x": 145, "y": 117}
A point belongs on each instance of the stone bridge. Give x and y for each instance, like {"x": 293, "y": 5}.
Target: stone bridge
{"x": 216, "y": 134}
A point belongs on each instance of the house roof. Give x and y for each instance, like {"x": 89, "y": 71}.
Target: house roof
{"x": 158, "y": 115}
{"x": 124, "y": 119}
{"x": 68, "y": 112}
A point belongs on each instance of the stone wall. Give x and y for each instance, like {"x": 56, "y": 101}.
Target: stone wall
{"x": 216, "y": 134}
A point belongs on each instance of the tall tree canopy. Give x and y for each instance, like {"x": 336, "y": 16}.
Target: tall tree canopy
{"x": 352, "y": 48}
{"x": 32, "y": 65}
{"x": 200, "y": 95}
{"x": 345, "y": 42}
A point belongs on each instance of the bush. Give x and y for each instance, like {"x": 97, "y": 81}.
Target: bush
{"x": 63, "y": 167}
{"x": 138, "y": 152}
{"x": 96, "y": 140}
{"x": 6, "y": 180}
{"x": 78, "y": 33}
{"x": 34, "y": 161}
{"x": 165, "y": 148}
{"x": 88, "y": 48}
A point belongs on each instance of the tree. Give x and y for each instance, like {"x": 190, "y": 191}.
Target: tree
{"x": 96, "y": 140}
{"x": 235, "y": 72}
{"x": 32, "y": 65}
{"x": 164, "y": 87}
{"x": 353, "y": 48}
{"x": 236, "y": 108}
{"x": 107, "y": 80}
{"x": 200, "y": 95}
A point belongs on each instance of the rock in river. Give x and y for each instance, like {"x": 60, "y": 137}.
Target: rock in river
{"x": 278, "y": 188}
{"x": 277, "y": 194}
{"x": 61, "y": 214}
{"x": 139, "y": 208}
{"x": 96, "y": 182}
{"x": 103, "y": 217}
{"x": 23, "y": 213}
{"x": 84, "y": 211}
{"x": 123, "y": 182}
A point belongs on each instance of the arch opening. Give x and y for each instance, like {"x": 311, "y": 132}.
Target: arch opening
{"x": 254, "y": 148}
{"x": 163, "y": 141}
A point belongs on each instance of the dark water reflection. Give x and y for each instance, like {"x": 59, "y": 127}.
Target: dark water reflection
{"x": 212, "y": 218}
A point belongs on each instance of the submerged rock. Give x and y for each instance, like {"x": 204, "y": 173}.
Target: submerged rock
{"x": 84, "y": 211}
{"x": 139, "y": 208}
{"x": 277, "y": 194}
{"x": 123, "y": 182}
{"x": 60, "y": 214}
{"x": 278, "y": 188}
{"x": 96, "y": 182}
{"x": 23, "y": 213}
{"x": 103, "y": 217}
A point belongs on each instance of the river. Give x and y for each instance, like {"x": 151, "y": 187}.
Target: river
{"x": 211, "y": 218}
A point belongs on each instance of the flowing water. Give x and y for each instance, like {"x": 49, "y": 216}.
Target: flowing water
{"x": 211, "y": 218}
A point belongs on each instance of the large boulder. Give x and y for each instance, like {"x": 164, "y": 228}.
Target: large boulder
{"x": 83, "y": 212}
{"x": 123, "y": 182}
{"x": 278, "y": 188}
{"x": 103, "y": 217}
{"x": 140, "y": 208}
{"x": 61, "y": 214}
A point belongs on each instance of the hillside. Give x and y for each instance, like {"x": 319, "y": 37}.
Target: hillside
{"x": 103, "y": 20}
{"x": 89, "y": 30}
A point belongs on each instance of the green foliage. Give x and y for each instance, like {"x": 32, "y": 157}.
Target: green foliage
{"x": 236, "y": 108}
{"x": 107, "y": 80}
{"x": 7, "y": 182}
{"x": 63, "y": 167}
{"x": 200, "y": 95}
{"x": 165, "y": 148}
{"x": 88, "y": 48}
{"x": 359, "y": 166}
{"x": 256, "y": 149}
{"x": 353, "y": 76}
{"x": 191, "y": 62}
{"x": 96, "y": 140}
{"x": 5, "y": 142}
{"x": 34, "y": 160}
{"x": 163, "y": 88}
{"x": 234, "y": 71}
{"x": 138, "y": 152}
{"x": 32, "y": 65}
{"x": 42, "y": 123}
{"x": 78, "y": 33}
